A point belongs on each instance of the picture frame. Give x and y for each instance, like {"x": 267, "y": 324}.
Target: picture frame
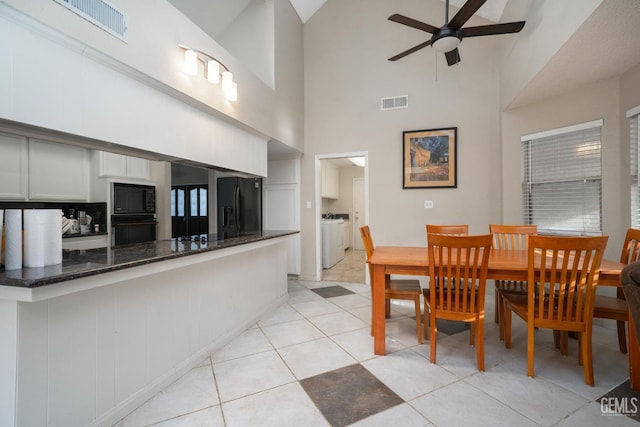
{"x": 429, "y": 158}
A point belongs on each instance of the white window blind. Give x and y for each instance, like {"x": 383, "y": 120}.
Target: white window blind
{"x": 635, "y": 185}
{"x": 561, "y": 181}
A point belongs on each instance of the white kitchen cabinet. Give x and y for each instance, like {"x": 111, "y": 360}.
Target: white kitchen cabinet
{"x": 14, "y": 165}
{"x": 137, "y": 168}
{"x": 57, "y": 171}
{"x": 121, "y": 166}
{"x": 330, "y": 188}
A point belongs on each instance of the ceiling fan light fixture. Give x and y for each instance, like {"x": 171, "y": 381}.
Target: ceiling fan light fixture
{"x": 446, "y": 44}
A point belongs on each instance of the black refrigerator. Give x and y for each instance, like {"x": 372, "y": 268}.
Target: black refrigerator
{"x": 239, "y": 206}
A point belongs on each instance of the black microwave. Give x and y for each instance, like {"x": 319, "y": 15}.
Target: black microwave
{"x": 133, "y": 198}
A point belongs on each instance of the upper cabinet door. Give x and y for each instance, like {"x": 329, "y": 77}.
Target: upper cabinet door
{"x": 121, "y": 166}
{"x": 14, "y": 165}
{"x": 57, "y": 171}
{"x": 112, "y": 164}
{"x": 137, "y": 168}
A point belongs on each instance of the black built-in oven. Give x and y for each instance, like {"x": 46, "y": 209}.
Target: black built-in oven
{"x": 134, "y": 214}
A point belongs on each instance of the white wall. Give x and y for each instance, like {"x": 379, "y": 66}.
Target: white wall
{"x": 255, "y": 48}
{"x": 346, "y": 73}
{"x": 602, "y": 100}
{"x": 152, "y": 55}
{"x": 549, "y": 24}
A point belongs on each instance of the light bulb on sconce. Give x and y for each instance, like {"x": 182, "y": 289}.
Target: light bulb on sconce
{"x": 190, "y": 62}
{"x": 212, "y": 71}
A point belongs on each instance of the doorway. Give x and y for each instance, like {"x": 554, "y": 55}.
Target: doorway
{"x": 338, "y": 201}
{"x": 190, "y": 200}
{"x": 189, "y": 210}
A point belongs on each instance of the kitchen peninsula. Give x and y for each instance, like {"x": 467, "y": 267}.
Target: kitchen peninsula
{"x": 86, "y": 342}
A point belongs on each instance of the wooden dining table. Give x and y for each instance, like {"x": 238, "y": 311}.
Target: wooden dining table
{"x": 503, "y": 265}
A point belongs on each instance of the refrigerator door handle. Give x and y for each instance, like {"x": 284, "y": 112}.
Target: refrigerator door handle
{"x": 236, "y": 202}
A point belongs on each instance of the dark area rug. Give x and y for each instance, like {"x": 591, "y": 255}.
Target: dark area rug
{"x": 621, "y": 401}
{"x": 332, "y": 291}
{"x": 349, "y": 394}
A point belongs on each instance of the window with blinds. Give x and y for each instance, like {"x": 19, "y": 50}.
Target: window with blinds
{"x": 562, "y": 180}
{"x": 634, "y": 118}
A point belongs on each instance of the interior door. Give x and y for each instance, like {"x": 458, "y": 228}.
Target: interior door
{"x": 189, "y": 210}
{"x": 358, "y": 211}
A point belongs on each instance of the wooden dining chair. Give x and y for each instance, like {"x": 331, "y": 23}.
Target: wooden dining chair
{"x": 455, "y": 230}
{"x": 608, "y": 307}
{"x": 566, "y": 271}
{"x": 402, "y": 289}
{"x": 459, "y": 265}
{"x": 509, "y": 237}
{"x": 451, "y": 230}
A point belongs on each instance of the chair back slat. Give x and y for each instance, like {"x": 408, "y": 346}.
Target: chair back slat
{"x": 565, "y": 271}
{"x": 631, "y": 247}
{"x": 511, "y": 237}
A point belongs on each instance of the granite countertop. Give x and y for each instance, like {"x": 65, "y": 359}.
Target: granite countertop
{"x": 90, "y": 262}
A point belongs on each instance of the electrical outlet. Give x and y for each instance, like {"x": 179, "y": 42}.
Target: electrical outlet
{"x": 428, "y": 204}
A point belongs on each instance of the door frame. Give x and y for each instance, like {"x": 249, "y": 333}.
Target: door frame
{"x": 318, "y": 198}
{"x": 354, "y": 232}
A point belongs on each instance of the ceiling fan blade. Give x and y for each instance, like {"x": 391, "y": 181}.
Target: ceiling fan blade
{"x": 410, "y": 22}
{"x": 487, "y": 30}
{"x": 409, "y": 51}
{"x": 453, "y": 57}
{"x": 465, "y": 12}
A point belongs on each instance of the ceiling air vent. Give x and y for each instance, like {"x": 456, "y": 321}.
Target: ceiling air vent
{"x": 394, "y": 103}
{"x": 100, "y": 13}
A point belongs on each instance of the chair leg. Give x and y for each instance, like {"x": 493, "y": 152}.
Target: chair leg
{"x": 427, "y": 316}
{"x": 472, "y": 333}
{"x": 561, "y": 341}
{"x": 418, "y": 318}
{"x": 434, "y": 330}
{"x": 371, "y": 317}
{"x": 496, "y": 312}
{"x": 480, "y": 344}
{"x": 530, "y": 349}
{"x": 587, "y": 358}
{"x": 622, "y": 336}
{"x": 506, "y": 319}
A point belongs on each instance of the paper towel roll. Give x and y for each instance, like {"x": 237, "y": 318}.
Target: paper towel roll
{"x": 53, "y": 237}
{"x": 13, "y": 239}
{"x": 34, "y": 238}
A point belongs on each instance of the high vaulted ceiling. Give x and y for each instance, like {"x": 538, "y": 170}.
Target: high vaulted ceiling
{"x": 595, "y": 52}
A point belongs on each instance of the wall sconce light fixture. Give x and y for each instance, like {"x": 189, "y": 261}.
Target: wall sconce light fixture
{"x": 212, "y": 70}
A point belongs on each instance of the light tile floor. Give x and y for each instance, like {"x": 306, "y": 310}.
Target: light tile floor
{"x": 351, "y": 269}
{"x": 255, "y": 379}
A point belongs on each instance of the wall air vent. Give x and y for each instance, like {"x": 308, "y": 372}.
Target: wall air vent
{"x": 100, "y": 13}
{"x": 394, "y": 102}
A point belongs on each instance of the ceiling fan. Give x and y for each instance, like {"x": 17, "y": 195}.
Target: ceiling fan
{"x": 447, "y": 38}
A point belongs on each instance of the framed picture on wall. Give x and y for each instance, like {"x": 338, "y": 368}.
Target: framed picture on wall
{"x": 429, "y": 158}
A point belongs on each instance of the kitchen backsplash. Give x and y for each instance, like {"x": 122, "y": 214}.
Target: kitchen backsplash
{"x": 97, "y": 211}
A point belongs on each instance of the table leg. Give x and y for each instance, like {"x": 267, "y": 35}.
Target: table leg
{"x": 378, "y": 302}
{"x": 634, "y": 357}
